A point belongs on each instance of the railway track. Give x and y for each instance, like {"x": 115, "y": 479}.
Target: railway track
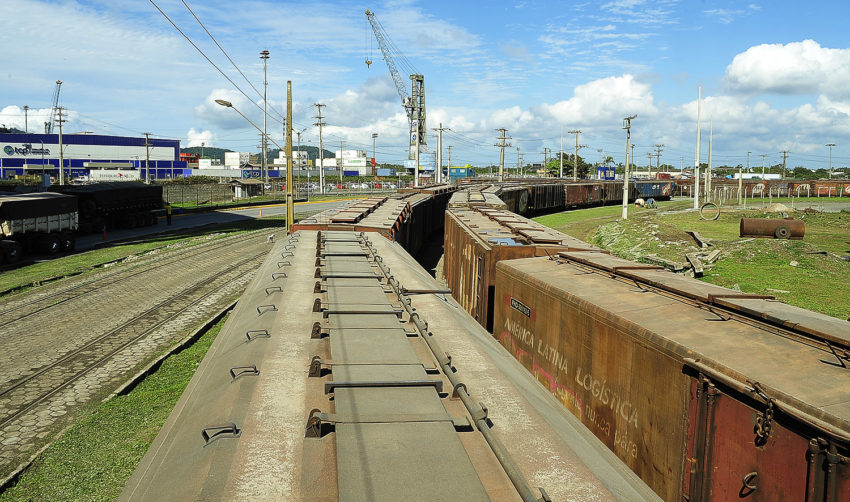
{"x": 73, "y": 342}
{"x": 35, "y": 388}
{"x": 17, "y": 310}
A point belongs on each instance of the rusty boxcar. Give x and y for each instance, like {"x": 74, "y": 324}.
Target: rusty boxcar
{"x": 705, "y": 392}
{"x": 477, "y": 238}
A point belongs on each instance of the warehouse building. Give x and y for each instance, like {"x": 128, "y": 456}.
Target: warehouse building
{"x": 81, "y": 153}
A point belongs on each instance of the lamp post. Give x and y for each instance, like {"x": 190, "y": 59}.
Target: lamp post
{"x": 298, "y": 133}
{"x": 228, "y": 104}
{"x": 830, "y": 145}
{"x": 375, "y": 163}
{"x": 264, "y": 55}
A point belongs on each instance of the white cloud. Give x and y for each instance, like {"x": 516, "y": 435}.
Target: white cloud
{"x": 794, "y": 68}
{"x": 14, "y": 116}
{"x": 197, "y": 137}
{"x": 604, "y": 101}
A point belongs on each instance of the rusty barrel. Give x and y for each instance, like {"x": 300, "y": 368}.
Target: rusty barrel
{"x": 786, "y": 228}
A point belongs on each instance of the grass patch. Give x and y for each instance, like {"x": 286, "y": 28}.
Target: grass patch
{"x": 97, "y": 455}
{"x": 796, "y": 272}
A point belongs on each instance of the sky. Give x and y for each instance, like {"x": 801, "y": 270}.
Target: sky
{"x": 774, "y": 75}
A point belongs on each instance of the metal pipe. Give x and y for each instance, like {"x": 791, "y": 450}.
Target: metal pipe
{"x": 476, "y": 410}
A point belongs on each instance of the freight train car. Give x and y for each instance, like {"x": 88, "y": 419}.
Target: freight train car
{"x": 477, "y": 238}
{"x": 705, "y": 392}
{"x": 36, "y": 223}
{"x": 546, "y": 197}
{"x": 343, "y": 374}
{"x": 408, "y": 217}
{"x": 655, "y": 189}
{"x": 115, "y": 205}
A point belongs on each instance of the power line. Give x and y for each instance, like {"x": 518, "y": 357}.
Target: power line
{"x": 207, "y": 57}
{"x": 225, "y": 53}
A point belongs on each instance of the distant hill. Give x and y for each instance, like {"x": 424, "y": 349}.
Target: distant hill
{"x": 208, "y": 152}
{"x": 218, "y": 153}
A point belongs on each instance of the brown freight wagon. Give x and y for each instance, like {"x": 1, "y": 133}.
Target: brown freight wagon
{"x": 477, "y": 238}
{"x": 704, "y": 392}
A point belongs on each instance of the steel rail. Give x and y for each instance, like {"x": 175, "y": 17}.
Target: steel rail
{"x": 138, "y": 319}
{"x": 104, "y": 280}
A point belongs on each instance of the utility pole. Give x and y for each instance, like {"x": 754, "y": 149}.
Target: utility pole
{"x": 339, "y": 162}
{"x": 264, "y": 55}
{"x": 762, "y": 166}
{"x": 438, "y": 178}
{"x": 649, "y": 165}
{"x": 708, "y": 168}
{"x": 26, "y": 108}
{"x": 741, "y": 181}
{"x": 147, "y": 158}
{"x": 575, "y": 155}
{"x": 60, "y": 121}
{"x": 784, "y": 156}
{"x": 517, "y": 161}
{"x": 633, "y": 155}
{"x": 502, "y": 145}
{"x": 658, "y": 149}
{"x": 321, "y": 148}
{"x": 290, "y": 167}
{"x": 375, "y": 162}
{"x": 696, "y": 159}
{"x": 561, "y": 170}
{"x": 449, "y": 148}
{"x": 830, "y": 145}
{"x": 627, "y": 125}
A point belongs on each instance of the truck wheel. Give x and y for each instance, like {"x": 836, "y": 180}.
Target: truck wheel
{"x": 67, "y": 241}
{"x": 49, "y": 244}
{"x": 12, "y": 251}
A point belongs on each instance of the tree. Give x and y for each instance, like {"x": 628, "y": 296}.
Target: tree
{"x": 553, "y": 167}
{"x": 801, "y": 173}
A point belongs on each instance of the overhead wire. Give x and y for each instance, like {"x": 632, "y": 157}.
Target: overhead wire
{"x": 226, "y": 55}
{"x": 207, "y": 58}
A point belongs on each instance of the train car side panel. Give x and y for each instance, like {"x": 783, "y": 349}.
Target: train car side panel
{"x": 629, "y": 395}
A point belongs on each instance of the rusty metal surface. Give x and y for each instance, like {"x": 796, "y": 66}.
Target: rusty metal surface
{"x": 476, "y": 239}
{"x": 590, "y": 337}
{"x": 384, "y": 423}
{"x": 818, "y": 325}
{"x": 566, "y": 460}
{"x": 786, "y": 228}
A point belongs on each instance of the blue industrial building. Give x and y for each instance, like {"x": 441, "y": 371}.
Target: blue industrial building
{"x": 39, "y": 153}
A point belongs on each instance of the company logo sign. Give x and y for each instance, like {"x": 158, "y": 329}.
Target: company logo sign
{"x": 520, "y": 307}
{"x": 27, "y": 149}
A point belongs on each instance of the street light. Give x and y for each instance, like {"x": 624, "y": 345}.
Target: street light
{"x": 264, "y": 55}
{"x": 830, "y": 145}
{"x": 228, "y": 104}
{"x": 375, "y": 165}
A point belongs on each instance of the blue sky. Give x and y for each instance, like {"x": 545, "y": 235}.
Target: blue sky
{"x": 774, "y": 74}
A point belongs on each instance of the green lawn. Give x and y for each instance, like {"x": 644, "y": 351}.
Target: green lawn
{"x": 815, "y": 281}
{"x": 96, "y": 456}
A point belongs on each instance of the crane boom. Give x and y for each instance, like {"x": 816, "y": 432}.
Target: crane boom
{"x": 413, "y": 102}
{"x": 48, "y": 126}
{"x": 382, "y": 37}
